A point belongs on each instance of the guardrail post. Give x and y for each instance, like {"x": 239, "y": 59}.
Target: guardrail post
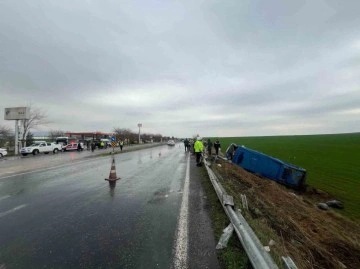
{"x": 258, "y": 257}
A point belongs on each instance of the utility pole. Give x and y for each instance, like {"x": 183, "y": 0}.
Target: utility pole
{"x": 16, "y": 137}
{"x": 139, "y": 125}
{"x": 17, "y": 113}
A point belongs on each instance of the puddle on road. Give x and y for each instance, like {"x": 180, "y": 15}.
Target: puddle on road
{"x": 159, "y": 196}
{"x": 112, "y": 185}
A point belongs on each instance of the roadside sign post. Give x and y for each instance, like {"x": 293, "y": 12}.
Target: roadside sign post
{"x": 16, "y": 137}
{"x": 113, "y": 142}
{"x": 17, "y": 113}
{"x": 139, "y": 125}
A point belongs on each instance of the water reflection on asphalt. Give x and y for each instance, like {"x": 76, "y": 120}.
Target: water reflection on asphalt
{"x": 73, "y": 218}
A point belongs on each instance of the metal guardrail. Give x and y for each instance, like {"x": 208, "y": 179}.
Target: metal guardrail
{"x": 259, "y": 258}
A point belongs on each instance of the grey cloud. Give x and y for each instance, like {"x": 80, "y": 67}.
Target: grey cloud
{"x": 328, "y": 106}
{"x": 251, "y": 63}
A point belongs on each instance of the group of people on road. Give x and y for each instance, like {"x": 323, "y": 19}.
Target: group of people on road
{"x": 198, "y": 147}
{"x": 95, "y": 144}
{"x": 104, "y": 145}
{"x": 98, "y": 144}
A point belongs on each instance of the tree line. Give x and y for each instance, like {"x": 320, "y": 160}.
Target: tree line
{"x": 39, "y": 118}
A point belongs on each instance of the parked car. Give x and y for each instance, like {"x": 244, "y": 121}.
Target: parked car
{"x": 3, "y": 152}
{"x": 62, "y": 141}
{"x": 73, "y": 146}
{"x": 40, "y": 147}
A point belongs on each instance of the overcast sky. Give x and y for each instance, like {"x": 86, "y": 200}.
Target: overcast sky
{"x": 214, "y": 68}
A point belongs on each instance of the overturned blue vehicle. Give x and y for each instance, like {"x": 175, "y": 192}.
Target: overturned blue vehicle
{"x": 267, "y": 166}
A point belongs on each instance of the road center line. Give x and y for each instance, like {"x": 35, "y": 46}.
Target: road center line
{"x": 4, "y": 197}
{"x": 47, "y": 169}
{"x": 181, "y": 243}
{"x": 2, "y": 214}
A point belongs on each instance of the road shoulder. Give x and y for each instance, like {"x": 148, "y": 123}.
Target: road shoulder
{"x": 202, "y": 252}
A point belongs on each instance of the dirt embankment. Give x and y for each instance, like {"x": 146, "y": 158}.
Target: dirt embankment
{"x": 313, "y": 238}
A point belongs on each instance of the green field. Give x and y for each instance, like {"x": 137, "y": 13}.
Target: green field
{"x": 332, "y": 161}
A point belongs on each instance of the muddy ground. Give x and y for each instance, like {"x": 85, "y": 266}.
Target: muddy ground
{"x": 312, "y": 237}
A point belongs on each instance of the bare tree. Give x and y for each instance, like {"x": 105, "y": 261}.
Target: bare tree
{"x": 37, "y": 118}
{"x": 29, "y": 138}
{"x": 124, "y": 134}
{"x": 145, "y": 137}
{"x": 5, "y": 131}
{"x": 157, "y": 137}
{"x": 53, "y": 134}
{"x": 131, "y": 137}
{"x": 5, "y": 135}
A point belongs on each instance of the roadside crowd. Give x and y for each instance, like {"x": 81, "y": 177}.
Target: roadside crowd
{"x": 99, "y": 144}
{"x": 197, "y": 147}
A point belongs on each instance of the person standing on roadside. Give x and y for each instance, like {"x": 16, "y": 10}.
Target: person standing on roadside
{"x": 121, "y": 144}
{"x": 217, "y": 146}
{"x": 191, "y": 146}
{"x": 198, "y": 148}
{"x": 209, "y": 145}
{"x": 186, "y": 144}
{"x": 79, "y": 147}
{"x": 93, "y": 146}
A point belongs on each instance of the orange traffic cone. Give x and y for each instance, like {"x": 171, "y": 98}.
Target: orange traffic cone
{"x": 112, "y": 176}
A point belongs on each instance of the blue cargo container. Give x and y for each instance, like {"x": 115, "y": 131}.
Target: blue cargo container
{"x": 270, "y": 167}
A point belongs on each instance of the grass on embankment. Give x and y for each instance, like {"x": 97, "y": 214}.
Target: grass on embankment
{"x": 233, "y": 256}
{"x": 331, "y": 161}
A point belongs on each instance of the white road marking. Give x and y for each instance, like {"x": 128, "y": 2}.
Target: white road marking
{"x": 181, "y": 241}
{"x": 47, "y": 169}
{"x": 2, "y": 214}
{"x": 4, "y": 197}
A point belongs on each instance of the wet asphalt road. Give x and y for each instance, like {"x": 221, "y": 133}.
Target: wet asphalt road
{"x": 68, "y": 216}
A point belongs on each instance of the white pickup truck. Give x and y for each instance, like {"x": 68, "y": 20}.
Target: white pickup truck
{"x": 41, "y": 147}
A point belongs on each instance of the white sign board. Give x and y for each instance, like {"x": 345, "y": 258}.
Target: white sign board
{"x": 17, "y": 113}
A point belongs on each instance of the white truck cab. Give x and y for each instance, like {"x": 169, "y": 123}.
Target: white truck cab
{"x": 40, "y": 147}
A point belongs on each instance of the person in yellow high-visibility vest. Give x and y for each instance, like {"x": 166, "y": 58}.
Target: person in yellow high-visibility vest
{"x": 198, "y": 148}
{"x": 121, "y": 144}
